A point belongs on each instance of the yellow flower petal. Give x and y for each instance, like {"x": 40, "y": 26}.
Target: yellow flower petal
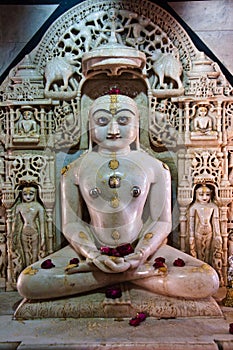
{"x": 70, "y": 266}
{"x": 30, "y": 271}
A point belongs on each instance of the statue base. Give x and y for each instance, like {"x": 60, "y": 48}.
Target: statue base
{"x": 132, "y": 301}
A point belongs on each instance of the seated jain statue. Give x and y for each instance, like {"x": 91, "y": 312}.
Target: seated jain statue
{"x": 127, "y": 194}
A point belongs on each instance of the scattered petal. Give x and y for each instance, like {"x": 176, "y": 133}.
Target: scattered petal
{"x": 114, "y": 91}
{"x": 179, "y": 262}
{"x": 160, "y": 258}
{"x": 142, "y": 316}
{"x": 47, "y": 264}
{"x": 30, "y": 271}
{"x": 120, "y": 251}
{"x": 113, "y": 292}
{"x": 163, "y": 269}
{"x": 125, "y": 249}
{"x": 231, "y": 328}
{"x": 135, "y": 321}
{"x": 106, "y": 250}
{"x": 74, "y": 261}
{"x": 70, "y": 266}
{"x": 158, "y": 264}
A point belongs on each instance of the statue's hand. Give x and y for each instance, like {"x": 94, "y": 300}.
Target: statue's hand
{"x": 111, "y": 264}
{"x": 134, "y": 259}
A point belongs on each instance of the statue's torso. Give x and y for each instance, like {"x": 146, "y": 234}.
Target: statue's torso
{"x": 115, "y": 191}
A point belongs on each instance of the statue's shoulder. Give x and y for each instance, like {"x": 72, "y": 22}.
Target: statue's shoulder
{"x": 72, "y": 167}
{"x": 150, "y": 160}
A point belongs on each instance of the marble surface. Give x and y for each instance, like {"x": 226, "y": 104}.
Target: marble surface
{"x": 212, "y": 21}
{"x": 112, "y": 334}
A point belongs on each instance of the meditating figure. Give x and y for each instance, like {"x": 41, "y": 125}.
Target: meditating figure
{"x": 27, "y": 125}
{"x": 127, "y": 196}
{"x": 202, "y": 121}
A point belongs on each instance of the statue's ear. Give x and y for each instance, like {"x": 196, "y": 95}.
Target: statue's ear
{"x": 142, "y": 104}
{"x": 85, "y": 104}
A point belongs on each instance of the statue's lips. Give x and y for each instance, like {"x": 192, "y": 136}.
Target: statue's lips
{"x": 113, "y": 137}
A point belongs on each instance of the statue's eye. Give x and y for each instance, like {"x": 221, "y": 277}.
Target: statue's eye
{"x": 123, "y": 120}
{"x": 102, "y": 121}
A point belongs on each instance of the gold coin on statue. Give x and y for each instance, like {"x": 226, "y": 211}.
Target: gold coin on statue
{"x": 113, "y": 164}
{"x": 149, "y": 235}
{"x": 83, "y": 235}
{"x": 115, "y": 202}
{"x": 115, "y": 235}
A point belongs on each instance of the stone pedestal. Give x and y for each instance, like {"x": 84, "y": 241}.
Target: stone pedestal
{"x": 133, "y": 300}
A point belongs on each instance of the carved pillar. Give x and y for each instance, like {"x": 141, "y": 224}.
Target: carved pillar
{"x": 8, "y": 199}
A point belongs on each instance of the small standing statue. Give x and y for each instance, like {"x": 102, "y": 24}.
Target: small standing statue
{"x": 205, "y": 236}
{"x": 29, "y": 226}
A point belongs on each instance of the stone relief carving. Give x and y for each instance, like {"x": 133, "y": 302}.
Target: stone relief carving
{"x": 28, "y": 228}
{"x": 164, "y": 66}
{"x": 188, "y": 99}
{"x": 204, "y": 230}
{"x": 60, "y": 69}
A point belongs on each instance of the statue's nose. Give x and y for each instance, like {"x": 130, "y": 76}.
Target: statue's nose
{"x": 113, "y": 128}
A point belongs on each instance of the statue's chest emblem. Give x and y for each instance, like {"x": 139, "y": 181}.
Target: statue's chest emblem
{"x": 117, "y": 182}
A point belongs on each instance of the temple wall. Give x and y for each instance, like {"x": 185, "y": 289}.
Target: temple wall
{"x": 211, "y": 20}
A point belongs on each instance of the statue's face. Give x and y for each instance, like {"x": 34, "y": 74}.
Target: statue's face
{"x": 27, "y": 115}
{"x": 114, "y": 122}
{"x": 202, "y": 111}
{"x": 203, "y": 194}
{"x": 28, "y": 194}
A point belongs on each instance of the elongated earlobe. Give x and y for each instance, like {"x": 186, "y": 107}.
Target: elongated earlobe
{"x": 90, "y": 139}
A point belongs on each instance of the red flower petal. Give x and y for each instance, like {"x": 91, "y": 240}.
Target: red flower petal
{"x": 160, "y": 258}
{"x": 179, "y": 262}
{"x": 231, "y": 328}
{"x": 134, "y": 321}
{"x": 114, "y": 91}
{"x": 106, "y": 250}
{"x": 121, "y": 250}
{"x": 158, "y": 264}
{"x": 74, "y": 261}
{"x": 47, "y": 264}
{"x": 113, "y": 292}
{"x": 142, "y": 316}
{"x": 125, "y": 249}
{"x": 114, "y": 252}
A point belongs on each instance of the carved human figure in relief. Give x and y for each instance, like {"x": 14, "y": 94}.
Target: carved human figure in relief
{"x": 205, "y": 236}
{"x": 27, "y": 125}
{"x": 29, "y": 225}
{"x": 111, "y": 29}
{"x": 202, "y": 121}
{"x": 127, "y": 194}
{"x": 65, "y": 131}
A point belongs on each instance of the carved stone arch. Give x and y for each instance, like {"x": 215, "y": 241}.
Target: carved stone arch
{"x": 81, "y": 12}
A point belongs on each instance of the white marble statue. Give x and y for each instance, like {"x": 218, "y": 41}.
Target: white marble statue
{"x": 27, "y": 125}
{"x": 205, "y": 236}
{"x": 202, "y": 121}
{"x": 128, "y": 196}
{"x": 29, "y": 225}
